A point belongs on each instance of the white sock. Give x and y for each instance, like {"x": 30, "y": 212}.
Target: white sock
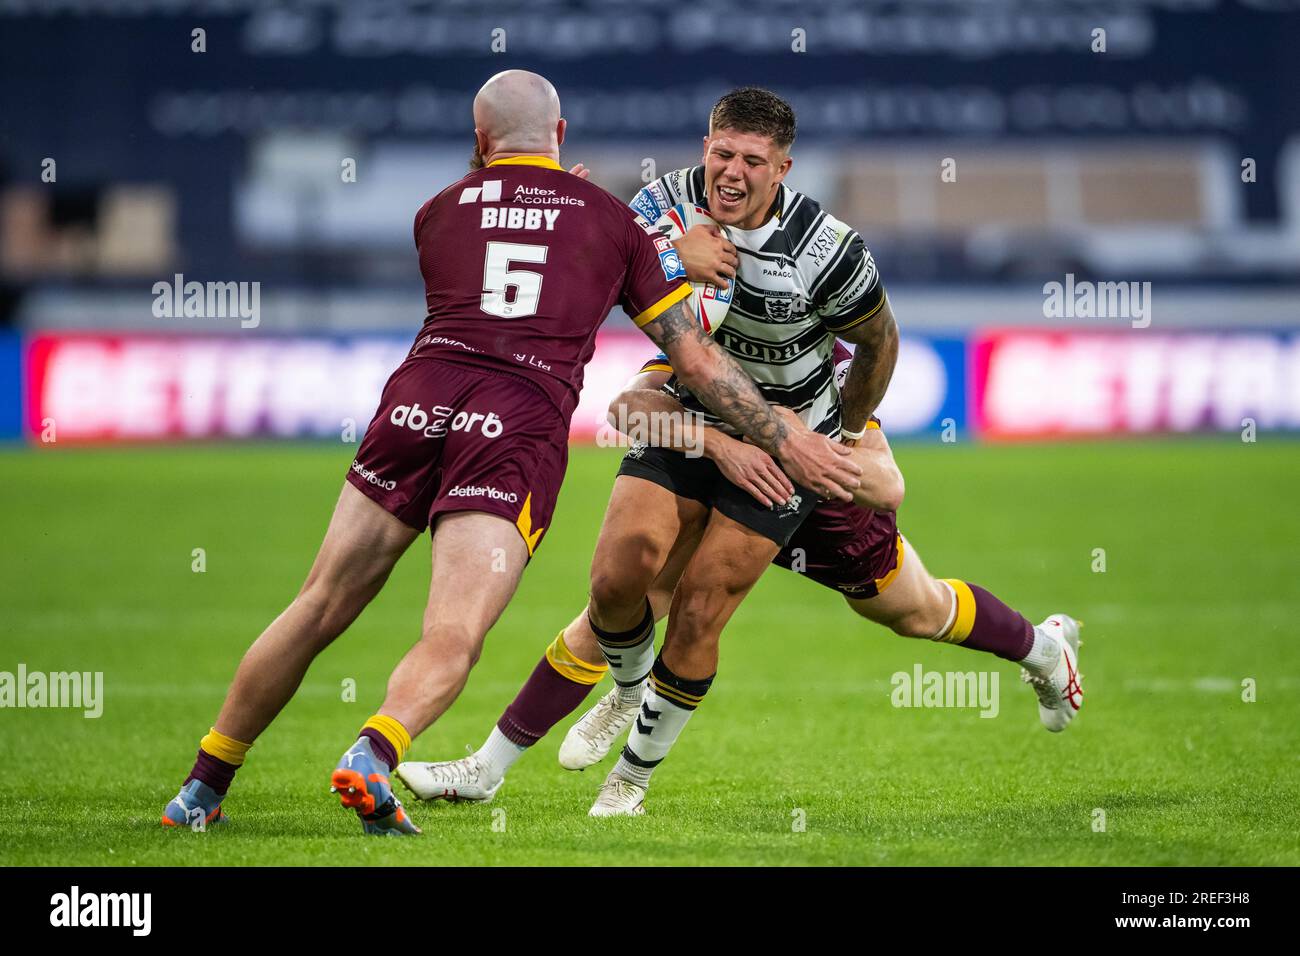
{"x": 655, "y": 730}
{"x": 666, "y": 706}
{"x": 952, "y": 613}
{"x": 631, "y": 694}
{"x": 499, "y": 753}
{"x": 1044, "y": 655}
{"x": 630, "y": 654}
{"x": 630, "y": 771}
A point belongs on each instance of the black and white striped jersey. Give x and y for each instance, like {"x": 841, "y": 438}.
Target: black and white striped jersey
{"x": 803, "y": 277}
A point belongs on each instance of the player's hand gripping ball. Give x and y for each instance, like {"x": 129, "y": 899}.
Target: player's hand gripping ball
{"x": 708, "y": 302}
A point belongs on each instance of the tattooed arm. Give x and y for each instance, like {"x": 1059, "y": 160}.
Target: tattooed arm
{"x": 715, "y": 378}
{"x": 874, "y": 356}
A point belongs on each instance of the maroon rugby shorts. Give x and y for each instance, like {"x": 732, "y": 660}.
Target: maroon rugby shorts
{"x": 846, "y": 548}
{"x": 450, "y": 437}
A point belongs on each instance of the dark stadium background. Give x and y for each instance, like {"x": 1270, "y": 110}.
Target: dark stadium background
{"x": 1031, "y": 442}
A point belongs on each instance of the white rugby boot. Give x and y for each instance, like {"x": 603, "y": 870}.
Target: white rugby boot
{"x": 590, "y": 739}
{"x": 618, "y": 798}
{"x": 468, "y": 779}
{"x": 1060, "y": 692}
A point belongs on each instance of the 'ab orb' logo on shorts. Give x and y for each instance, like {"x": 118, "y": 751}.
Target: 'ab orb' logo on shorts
{"x": 371, "y": 478}
{"x": 484, "y": 491}
{"x": 434, "y": 422}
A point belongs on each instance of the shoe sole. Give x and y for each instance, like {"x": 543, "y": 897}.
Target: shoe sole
{"x": 352, "y": 791}
{"x": 353, "y": 794}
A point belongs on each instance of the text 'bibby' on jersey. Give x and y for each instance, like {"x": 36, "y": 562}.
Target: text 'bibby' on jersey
{"x": 522, "y": 262}
{"x": 803, "y": 277}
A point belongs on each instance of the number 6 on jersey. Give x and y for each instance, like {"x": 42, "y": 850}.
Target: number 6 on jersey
{"x": 499, "y": 278}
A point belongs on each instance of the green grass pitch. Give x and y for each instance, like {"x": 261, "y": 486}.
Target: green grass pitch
{"x": 1199, "y": 593}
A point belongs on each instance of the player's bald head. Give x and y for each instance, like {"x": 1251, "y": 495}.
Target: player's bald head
{"x": 518, "y": 112}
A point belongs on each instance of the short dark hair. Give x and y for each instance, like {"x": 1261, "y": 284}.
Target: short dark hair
{"x": 752, "y": 109}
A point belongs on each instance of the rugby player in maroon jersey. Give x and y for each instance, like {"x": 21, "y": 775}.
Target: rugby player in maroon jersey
{"x": 522, "y": 262}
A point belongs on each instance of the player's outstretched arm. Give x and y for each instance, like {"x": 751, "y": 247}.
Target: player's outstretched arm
{"x": 810, "y": 459}
{"x": 874, "y": 357}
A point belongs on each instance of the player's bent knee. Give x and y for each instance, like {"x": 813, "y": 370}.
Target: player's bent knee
{"x": 331, "y": 611}
{"x": 616, "y": 593}
{"x": 928, "y": 618}
{"x": 914, "y": 624}
{"x": 455, "y": 643}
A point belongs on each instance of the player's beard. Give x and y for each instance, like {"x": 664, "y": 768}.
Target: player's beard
{"x": 475, "y": 158}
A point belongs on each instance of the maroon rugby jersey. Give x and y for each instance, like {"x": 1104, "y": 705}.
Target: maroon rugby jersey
{"x": 523, "y": 261}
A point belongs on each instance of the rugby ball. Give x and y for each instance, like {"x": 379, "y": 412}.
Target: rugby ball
{"x": 708, "y": 302}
